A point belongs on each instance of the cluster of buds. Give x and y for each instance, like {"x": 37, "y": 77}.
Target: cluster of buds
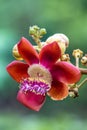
{"x": 37, "y": 33}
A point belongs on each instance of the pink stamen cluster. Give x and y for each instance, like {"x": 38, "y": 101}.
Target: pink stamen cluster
{"x": 36, "y": 86}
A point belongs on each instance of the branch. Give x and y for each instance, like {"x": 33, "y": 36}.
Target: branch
{"x": 83, "y": 71}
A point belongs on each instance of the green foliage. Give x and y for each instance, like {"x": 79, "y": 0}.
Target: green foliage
{"x": 63, "y": 122}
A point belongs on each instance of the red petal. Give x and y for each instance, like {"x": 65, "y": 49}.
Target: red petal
{"x": 49, "y": 54}
{"x": 58, "y": 91}
{"x": 18, "y": 70}
{"x": 31, "y": 100}
{"x": 27, "y": 51}
{"x": 66, "y": 72}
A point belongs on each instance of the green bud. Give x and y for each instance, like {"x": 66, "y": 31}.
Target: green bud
{"x": 35, "y": 27}
{"x": 32, "y": 31}
{"x": 42, "y": 31}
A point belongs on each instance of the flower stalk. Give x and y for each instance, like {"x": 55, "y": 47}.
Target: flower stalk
{"x": 83, "y": 71}
{"x": 82, "y": 83}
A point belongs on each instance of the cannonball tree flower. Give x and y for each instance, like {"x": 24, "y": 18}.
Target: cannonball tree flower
{"x": 41, "y": 74}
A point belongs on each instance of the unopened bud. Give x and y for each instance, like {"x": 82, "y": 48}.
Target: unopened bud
{"x": 84, "y": 60}
{"x": 35, "y": 27}
{"x": 73, "y": 92}
{"x": 42, "y": 31}
{"x": 65, "y": 57}
{"x": 32, "y": 31}
{"x": 61, "y": 39}
{"x": 77, "y": 53}
{"x": 16, "y": 53}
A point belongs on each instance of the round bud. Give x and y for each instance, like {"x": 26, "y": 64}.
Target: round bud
{"x": 84, "y": 60}
{"x": 77, "y": 53}
{"x": 42, "y": 31}
{"x": 65, "y": 57}
{"x": 16, "y": 53}
{"x": 32, "y": 31}
{"x": 61, "y": 39}
{"x": 73, "y": 92}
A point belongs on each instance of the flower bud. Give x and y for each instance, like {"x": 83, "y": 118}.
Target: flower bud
{"x": 84, "y": 60}
{"x": 42, "y": 31}
{"x": 77, "y": 53}
{"x": 61, "y": 39}
{"x": 65, "y": 57}
{"x": 73, "y": 92}
{"x": 32, "y": 31}
{"x": 16, "y": 53}
{"x": 35, "y": 27}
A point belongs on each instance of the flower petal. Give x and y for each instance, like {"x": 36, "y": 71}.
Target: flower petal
{"x": 27, "y": 52}
{"x": 66, "y": 72}
{"x": 18, "y": 70}
{"x": 31, "y": 100}
{"x": 49, "y": 54}
{"x": 58, "y": 91}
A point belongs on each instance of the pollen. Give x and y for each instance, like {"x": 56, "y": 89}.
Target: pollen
{"x": 37, "y": 86}
{"x": 40, "y": 72}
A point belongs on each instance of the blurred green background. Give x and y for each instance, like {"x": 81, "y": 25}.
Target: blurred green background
{"x": 57, "y": 16}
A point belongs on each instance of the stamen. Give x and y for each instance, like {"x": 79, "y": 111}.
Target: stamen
{"x": 35, "y": 85}
{"x": 39, "y": 71}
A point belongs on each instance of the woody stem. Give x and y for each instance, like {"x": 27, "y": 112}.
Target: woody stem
{"x": 83, "y": 71}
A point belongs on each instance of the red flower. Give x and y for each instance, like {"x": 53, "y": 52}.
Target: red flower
{"x": 41, "y": 74}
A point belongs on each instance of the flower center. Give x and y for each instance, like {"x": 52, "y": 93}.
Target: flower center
{"x": 37, "y": 86}
{"x": 40, "y": 72}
